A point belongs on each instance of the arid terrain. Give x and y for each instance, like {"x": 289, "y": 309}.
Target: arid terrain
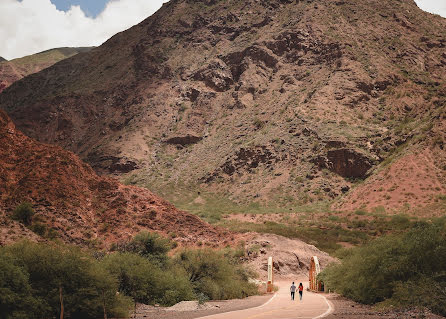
{"x": 73, "y": 203}
{"x": 14, "y": 70}
{"x": 285, "y": 128}
{"x": 278, "y": 104}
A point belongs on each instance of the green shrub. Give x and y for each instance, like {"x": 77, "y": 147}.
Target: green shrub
{"x": 24, "y": 213}
{"x": 149, "y": 245}
{"x": 53, "y": 271}
{"x": 406, "y": 270}
{"x": 16, "y": 297}
{"x": 34, "y": 277}
{"x": 146, "y": 282}
{"x": 39, "y": 229}
{"x": 400, "y": 222}
{"x": 215, "y": 275}
{"x": 360, "y": 212}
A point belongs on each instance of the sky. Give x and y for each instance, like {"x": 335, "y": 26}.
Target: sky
{"x": 90, "y": 7}
{"x": 31, "y": 26}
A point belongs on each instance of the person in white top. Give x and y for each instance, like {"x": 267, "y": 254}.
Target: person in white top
{"x": 293, "y": 290}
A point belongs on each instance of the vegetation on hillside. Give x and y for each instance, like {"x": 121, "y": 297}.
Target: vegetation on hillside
{"x": 42, "y": 280}
{"x": 405, "y": 270}
{"x": 328, "y": 231}
{"x": 24, "y": 213}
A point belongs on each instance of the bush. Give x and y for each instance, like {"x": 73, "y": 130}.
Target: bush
{"x": 215, "y": 275}
{"x": 63, "y": 271}
{"x": 16, "y": 299}
{"x": 37, "y": 280}
{"x": 39, "y": 229}
{"x": 24, "y": 213}
{"x": 149, "y": 245}
{"x": 405, "y": 270}
{"x": 145, "y": 282}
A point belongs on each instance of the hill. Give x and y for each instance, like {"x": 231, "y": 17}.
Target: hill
{"x": 14, "y": 70}
{"x": 284, "y": 104}
{"x": 73, "y": 203}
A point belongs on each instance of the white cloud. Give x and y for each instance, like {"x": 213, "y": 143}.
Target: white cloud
{"x": 433, "y": 6}
{"x": 32, "y": 26}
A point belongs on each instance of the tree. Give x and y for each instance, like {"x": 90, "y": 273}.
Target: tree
{"x": 16, "y": 299}
{"x": 135, "y": 275}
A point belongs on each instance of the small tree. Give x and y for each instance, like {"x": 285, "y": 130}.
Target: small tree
{"x": 24, "y": 213}
{"x": 151, "y": 246}
{"x": 135, "y": 275}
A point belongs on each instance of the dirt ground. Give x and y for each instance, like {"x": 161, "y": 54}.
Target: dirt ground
{"x": 347, "y": 309}
{"x": 211, "y": 308}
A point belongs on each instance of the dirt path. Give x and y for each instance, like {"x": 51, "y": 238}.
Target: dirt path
{"x": 280, "y": 306}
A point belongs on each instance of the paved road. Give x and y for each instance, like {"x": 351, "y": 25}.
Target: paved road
{"x": 313, "y": 306}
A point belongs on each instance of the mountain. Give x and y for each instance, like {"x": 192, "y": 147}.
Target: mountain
{"x": 287, "y": 104}
{"x": 14, "y": 70}
{"x": 73, "y": 203}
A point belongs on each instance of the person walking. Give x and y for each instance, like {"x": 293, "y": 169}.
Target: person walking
{"x": 301, "y": 290}
{"x": 293, "y": 290}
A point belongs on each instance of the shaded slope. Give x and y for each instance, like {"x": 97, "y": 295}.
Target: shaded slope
{"x": 14, "y": 70}
{"x": 78, "y": 205}
{"x": 288, "y": 103}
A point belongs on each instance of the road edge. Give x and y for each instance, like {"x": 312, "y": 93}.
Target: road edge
{"x": 263, "y": 305}
{"x": 329, "y": 310}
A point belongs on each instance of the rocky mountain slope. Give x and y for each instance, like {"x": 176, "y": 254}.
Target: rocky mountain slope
{"x": 14, "y": 70}
{"x": 73, "y": 203}
{"x": 282, "y": 103}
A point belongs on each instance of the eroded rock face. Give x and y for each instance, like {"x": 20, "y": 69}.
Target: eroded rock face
{"x": 247, "y": 159}
{"x": 345, "y": 162}
{"x": 240, "y": 61}
{"x": 291, "y": 257}
{"x": 112, "y": 164}
{"x": 294, "y": 45}
{"x": 216, "y": 76}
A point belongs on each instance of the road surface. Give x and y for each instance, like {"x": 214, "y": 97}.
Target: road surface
{"x": 280, "y": 306}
